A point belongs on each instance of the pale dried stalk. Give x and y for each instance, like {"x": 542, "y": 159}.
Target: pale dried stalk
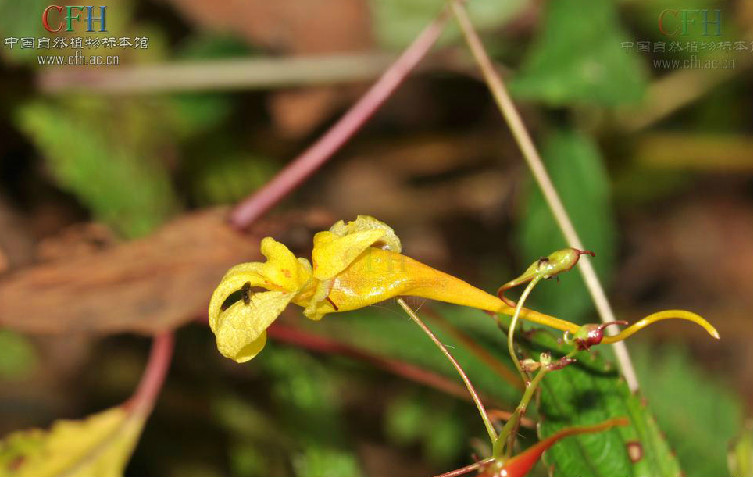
{"x": 531, "y": 155}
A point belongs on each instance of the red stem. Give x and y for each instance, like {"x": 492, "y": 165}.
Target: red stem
{"x": 151, "y": 382}
{"x": 254, "y": 206}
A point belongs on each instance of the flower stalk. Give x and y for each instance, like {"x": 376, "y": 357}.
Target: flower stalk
{"x": 471, "y": 390}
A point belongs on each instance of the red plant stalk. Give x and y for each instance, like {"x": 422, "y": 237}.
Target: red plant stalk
{"x": 408, "y": 371}
{"x": 148, "y": 389}
{"x": 254, "y": 206}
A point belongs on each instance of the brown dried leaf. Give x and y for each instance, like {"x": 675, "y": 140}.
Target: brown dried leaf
{"x": 77, "y": 239}
{"x": 148, "y": 285}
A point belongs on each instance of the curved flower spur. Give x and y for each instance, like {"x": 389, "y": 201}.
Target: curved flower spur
{"x": 357, "y": 264}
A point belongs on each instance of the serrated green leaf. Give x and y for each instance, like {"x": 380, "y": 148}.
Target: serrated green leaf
{"x": 578, "y": 174}
{"x": 699, "y": 416}
{"x": 108, "y": 156}
{"x": 578, "y": 58}
{"x": 99, "y": 445}
{"x": 397, "y": 22}
{"x": 588, "y": 392}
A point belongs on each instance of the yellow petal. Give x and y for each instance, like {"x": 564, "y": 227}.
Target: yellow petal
{"x": 388, "y": 241}
{"x": 231, "y": 283}
{"x": 378, "y": 275}
{"x": 282, "y": 268}
{"x": 332, "y": 254}
{"x": 659, "y": 316}
{"x": 318, "y": 305}
{"x": 241, "y": 329}
{"x": 254, "y": 268}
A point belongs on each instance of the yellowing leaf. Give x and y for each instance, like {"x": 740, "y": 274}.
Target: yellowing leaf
{"x": 98, "y": 446}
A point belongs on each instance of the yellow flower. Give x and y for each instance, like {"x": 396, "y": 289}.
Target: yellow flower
{"x": 241, "y": 326}
{"x": 355, "y": 264}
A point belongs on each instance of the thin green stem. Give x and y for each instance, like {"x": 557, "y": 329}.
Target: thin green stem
{"x": 510, "y": 430}
{"x": 480, "y": 352}
{"x": 482, "y": 411}
{"x": 514, "y": 323}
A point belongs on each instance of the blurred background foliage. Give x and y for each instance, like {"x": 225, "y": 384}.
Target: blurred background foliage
{"x": 655, "y": 167}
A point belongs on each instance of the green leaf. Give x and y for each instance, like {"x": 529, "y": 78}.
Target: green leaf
{"x": 576, "y": 169}
{"x": 99, "y": 445}
{"x": 578, "y": 58}
{"x": 589, "y": 392}
{"x": 699, "y": 416}
{"x": 108, "y": 155}
{"x": 398, "y": 22}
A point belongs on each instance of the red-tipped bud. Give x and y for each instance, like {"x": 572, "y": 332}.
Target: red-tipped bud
{"x": 546, "y": 267}
{"x": 591, "y": 334}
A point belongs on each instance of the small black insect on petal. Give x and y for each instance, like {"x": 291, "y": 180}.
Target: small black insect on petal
{"x": 246, "y": 293}
{"x": 243, "y": 294}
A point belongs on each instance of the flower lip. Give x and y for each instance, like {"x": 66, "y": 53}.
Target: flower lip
{"x": 251, "y": 296}
{"x": 241, "y": 329}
